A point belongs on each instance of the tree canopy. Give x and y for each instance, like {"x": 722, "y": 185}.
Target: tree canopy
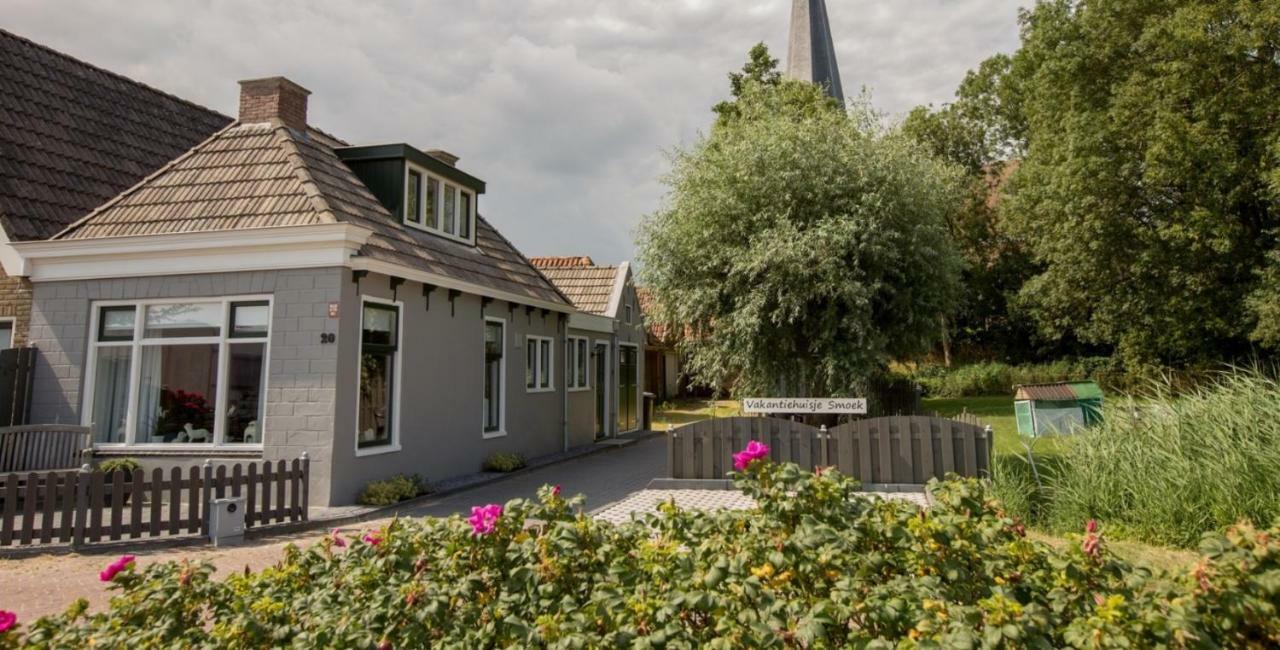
{"x": 803, "y": 246}
{"x": 1147, "y": 134}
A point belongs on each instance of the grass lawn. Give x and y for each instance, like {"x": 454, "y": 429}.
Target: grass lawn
{"x": 684, "y": 411}
{"x": 997, "y": 411}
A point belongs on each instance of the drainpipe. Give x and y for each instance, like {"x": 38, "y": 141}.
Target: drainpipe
{"x": 564, "y": 381}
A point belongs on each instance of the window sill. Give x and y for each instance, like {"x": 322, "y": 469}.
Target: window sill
{"x": 488, "y": 435}
{"x": 539, "y": 390}
{"x": 376, "y": 451}
{"x": 222, "y": 451}
{"x": 582, "y": 389}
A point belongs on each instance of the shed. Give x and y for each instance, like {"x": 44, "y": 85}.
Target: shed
{"x": 1057, "y": 408}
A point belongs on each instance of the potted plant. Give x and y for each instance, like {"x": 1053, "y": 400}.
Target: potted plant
{"x": 111, "y": 466}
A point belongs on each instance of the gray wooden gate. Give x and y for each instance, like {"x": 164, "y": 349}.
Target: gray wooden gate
{"x": 885, "y": 450}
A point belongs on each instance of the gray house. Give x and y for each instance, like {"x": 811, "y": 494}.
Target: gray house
{"x": 274, "y": 290}
{"x": 605, "y": 351}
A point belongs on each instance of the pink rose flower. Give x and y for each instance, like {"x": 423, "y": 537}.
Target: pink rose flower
{"x": 108, "y": 574}
{"x": 555, "y": 491}
{"x": 338, "y": 541}
{"x": 8, "y": 620}
{"x": 372, "y": 538}
{"x": 755, "y": 450}
{"x": 1091, "y": 526}
{"x": 484, "y": 519}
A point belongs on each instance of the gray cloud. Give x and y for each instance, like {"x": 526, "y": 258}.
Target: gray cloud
{"x": 563, "y": 106}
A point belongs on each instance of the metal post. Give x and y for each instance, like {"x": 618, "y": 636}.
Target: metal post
{"x": 823, "y": 437}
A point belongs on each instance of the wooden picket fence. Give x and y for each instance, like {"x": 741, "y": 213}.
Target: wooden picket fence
{"x": 901, "y": 450}
{"x": 81, "y": 507}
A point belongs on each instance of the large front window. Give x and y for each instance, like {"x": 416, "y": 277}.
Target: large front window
{"x": 199, "y": 378}
{"x": 577, "y": 363}
{"x": 379, "y": 347}
{"x": 494, "y": 342}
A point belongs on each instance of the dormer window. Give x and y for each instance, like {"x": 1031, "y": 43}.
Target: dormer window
{"x": 437, "y": 205}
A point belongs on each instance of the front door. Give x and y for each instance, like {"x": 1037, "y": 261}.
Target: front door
{"x": 628, "y": 381}
{"x": 601, "y": 356}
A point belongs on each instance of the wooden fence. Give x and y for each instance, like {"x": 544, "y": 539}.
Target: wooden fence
{"x": 80, "y": 507}
{"x": 885, "y": 450}
{"x": 41, "y": 447}
{"x": 17, "y": 366}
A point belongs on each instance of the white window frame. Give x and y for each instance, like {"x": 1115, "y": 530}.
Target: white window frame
{"x": 421, "y": 224}
{"x": 394, "y": 444}
{"x": 541, "y": 375}
{"x": 136, "y": 345}
{"x": 502, "y": 383}
{"x": 571, "y": 363}
{"x": 13, "y": 328}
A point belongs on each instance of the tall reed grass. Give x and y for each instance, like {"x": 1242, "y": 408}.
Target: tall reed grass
{"x": 1167, "y": 466}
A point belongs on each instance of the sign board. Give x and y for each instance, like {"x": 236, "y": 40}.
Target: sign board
{"x": 333, "y": 310}
{"x": 855, "y": 405}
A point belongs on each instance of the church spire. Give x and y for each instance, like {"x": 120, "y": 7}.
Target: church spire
{"x": 811, "y": 56}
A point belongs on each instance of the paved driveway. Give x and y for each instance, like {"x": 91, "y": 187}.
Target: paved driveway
{"x": 41, "y": 585}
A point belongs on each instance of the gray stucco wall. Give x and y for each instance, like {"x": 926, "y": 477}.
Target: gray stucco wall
{"x": 441, "y": 390}
{"x": 633, "y": 332}
{"x": 582, "y": 403}
{"x": 302, "y": 372}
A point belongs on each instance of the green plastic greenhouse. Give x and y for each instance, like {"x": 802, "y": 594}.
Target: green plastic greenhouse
{"x": 1057, "y": 408}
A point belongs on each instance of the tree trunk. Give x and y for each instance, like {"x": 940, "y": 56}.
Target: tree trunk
{"x": 946, "y": 343}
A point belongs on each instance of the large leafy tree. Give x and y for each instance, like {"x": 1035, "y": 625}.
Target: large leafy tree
{"x": 1146, "y": 194}
{"x": 803, "y": 246}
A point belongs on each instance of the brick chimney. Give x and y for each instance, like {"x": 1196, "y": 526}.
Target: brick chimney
{"x": 443, "y": 156}
{"x": 262, "y": 100}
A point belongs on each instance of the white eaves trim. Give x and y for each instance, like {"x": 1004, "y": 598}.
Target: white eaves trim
{"x": 582, "y": 320}
{"x": 619, "y": 284}
{"x": 260, "y": 249}
{"x": 10, "y": 260}
{"x": 200, "y": 252}
{"x": 417, "y": 275}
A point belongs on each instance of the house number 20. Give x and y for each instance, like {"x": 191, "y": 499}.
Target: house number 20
{"x": 328, "y": 337}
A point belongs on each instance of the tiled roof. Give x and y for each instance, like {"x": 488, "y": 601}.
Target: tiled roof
{"x": 267, "y": 175}
{"x": 587, "y": 287}
{"x": 561, "y": 262}
{"x": 73, "y": 135}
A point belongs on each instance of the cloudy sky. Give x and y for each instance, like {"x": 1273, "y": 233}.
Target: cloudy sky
{"x": 565, "y": 107}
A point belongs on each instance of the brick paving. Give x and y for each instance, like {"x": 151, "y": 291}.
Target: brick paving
{"x": 648, "y": 500}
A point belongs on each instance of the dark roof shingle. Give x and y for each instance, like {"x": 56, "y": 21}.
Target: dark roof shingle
{"x": 73, "y": 136}
{"x": 588, "y": 287}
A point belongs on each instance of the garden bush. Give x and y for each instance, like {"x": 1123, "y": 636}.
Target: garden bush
{"x": 1165, "y": 468}
{"x": 814, "y": 565}
{"x": 995, "y": 378}
{"x": 393, "y": 490}
{"x": 126, "y": 465}
{"x": 503, "y": 462}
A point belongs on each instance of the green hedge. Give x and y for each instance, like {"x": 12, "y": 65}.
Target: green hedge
{"x": 995, "y": 378}
{"x": 815, "y": 565}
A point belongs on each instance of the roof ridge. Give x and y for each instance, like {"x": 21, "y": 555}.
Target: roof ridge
{"x": 146, "y": 179}
{"x": 298, "y": 163}
{"x": 109, "y": 73}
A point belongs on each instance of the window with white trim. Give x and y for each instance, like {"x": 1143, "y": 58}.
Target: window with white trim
{"x": 437, "y": 205}
{"x": 539, "y": 354}
{"x": 577, "y": 363}
{"x": 178, "y": 372}
{"x": 6, "y": 333}
{"x": 379, "y": 358}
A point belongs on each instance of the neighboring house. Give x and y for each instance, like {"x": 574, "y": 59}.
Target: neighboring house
{"x": 606, "y": 337}
{"x": 662, "y": 374}
{"x": 273, "y": 291}
{"x": 71, "y": 137}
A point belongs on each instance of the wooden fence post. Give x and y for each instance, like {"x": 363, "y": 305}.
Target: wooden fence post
{"x": 823, "y": 438}
{"x": 205, "y": 493}
{"x": 306, "y": 485}
{"x": 81, "y": 523}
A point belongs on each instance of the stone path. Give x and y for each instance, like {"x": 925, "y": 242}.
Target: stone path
{"x": 648, "y": 500}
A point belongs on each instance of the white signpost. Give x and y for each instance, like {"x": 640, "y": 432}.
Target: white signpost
{"x": 806, "y": 405}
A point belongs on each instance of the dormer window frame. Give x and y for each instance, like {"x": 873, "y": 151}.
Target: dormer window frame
{"x": 443, "y": 184}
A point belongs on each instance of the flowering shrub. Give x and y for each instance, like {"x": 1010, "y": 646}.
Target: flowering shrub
{"x": 815, "y": 565}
